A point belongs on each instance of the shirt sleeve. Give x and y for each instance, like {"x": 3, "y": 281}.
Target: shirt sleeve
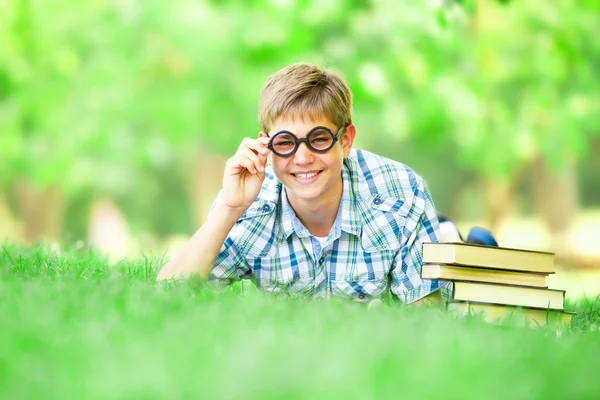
{"x": 421, "y": 226}
{"x": 230, "y": 266}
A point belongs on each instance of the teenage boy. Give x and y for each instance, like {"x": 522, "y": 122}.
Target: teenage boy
{"x": 324, "y": 219}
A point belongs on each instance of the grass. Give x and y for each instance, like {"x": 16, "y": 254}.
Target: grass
{"x": 73, "y": 327}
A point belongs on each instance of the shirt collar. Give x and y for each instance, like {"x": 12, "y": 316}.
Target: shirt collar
{"x": 351, "y": 218}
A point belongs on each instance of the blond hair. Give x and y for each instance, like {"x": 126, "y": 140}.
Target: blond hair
{"x": 305, "y": 90}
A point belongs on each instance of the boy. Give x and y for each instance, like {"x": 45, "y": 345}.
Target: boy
{"x": 325, "y": 219}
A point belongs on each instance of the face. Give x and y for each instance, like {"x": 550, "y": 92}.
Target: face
{"x": 310, "y": 176}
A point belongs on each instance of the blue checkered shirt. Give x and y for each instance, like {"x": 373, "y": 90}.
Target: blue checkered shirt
{"x": 385, "y": 215}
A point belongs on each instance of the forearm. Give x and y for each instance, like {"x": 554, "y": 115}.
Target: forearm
{"x": 199, "y": 253}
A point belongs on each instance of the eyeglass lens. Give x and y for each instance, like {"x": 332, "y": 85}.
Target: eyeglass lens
{"x": 286, "y": 143}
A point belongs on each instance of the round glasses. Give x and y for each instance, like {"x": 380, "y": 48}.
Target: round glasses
{"x": 320, "y": 140}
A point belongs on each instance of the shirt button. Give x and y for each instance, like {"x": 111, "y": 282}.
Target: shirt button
{"x": 361, "y": 296}
{"x": 322, "y": 260}
{"x": 266, "y": 207}
{"x": 377, "y": 201}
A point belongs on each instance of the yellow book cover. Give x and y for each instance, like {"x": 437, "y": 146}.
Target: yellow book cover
{"x": 461, "y": 273}
{"x": 508, "y": 294}
{"x": 488, "y": 257}
{"x": 521, "y": 316}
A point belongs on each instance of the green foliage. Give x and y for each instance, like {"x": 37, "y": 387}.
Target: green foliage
{"x": 99, "y": 96}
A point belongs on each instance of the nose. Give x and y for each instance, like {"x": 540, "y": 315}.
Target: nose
{"x": 303, "y": 155}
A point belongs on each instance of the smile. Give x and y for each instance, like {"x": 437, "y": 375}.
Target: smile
{"x": 307, "y": 175}
{"x": 306, "y": 178}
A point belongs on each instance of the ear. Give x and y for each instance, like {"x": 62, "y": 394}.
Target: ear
{"x": 348, "y": 139}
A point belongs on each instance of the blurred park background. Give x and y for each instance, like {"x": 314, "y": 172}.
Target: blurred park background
{"x": 116, "y": 117}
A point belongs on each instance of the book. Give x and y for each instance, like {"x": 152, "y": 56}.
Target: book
{"x": 488, "y": 257}
{"x": 521, "y": 316}
{"x": 508, "y": 295}
{"x": 460, "y": 273}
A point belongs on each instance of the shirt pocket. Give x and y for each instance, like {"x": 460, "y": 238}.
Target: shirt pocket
{"x": 380, "y": 240}
{"x": 253, "y": 233}
{"x": 362, "y": 290}
{"x": 384, "y": 220}
{"x": 274, "y": 275}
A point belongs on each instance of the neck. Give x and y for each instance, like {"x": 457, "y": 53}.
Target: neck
{"x": 318, "y": 215}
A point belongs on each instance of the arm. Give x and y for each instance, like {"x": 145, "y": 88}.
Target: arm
{"x": 200, "y": 252}
{"x": 242, "y": 180}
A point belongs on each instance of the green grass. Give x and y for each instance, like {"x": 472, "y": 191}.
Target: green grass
{"x": 73, "y": 327}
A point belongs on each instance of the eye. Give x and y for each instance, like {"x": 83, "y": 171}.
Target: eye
{"x": 285, "y": 143}
{"x": 283, "y": 140}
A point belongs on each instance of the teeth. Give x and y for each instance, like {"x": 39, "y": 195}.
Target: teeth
{"x": 306, "y": 176}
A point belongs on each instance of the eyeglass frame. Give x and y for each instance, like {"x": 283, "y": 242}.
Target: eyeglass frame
{"x": 298, "y": 141}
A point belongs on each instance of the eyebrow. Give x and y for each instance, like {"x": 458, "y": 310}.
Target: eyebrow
{"x": 334, "y": 131}
{"x": 288, "y": 131}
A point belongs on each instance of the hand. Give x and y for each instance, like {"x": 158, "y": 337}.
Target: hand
{"x": 245, "y": 173}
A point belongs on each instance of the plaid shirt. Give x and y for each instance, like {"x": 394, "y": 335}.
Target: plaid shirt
{"x": 385, "y": 215}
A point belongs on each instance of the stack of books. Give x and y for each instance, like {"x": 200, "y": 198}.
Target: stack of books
{"x": 499, "y": 283}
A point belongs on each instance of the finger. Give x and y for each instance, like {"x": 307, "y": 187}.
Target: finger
{"x": 265, "y": 140}
{"x": 262, "y": 156}
{"x": 238, "y": 163}
{"x": 246, "y": 163}
{"x": 258, "y": 159}
{"x": 257, "y": 163}
{"x": 258, "y": 146}
{"x": 263, "y": 159}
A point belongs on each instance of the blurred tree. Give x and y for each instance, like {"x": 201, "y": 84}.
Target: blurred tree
{"x": 132, "y": 100}
{"x": 537, "y": 100}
